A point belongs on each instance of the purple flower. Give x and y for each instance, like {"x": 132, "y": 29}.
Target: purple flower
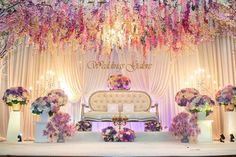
{"x": 16, "y": 95}
{"x": 225, "y": 95}
{"x": 111, "y": 135}
{"x": 185, "y": 96}
{"x": 60, "y": 123}
{"x": 184, "y": 124}
{"x": 84, "y": 126}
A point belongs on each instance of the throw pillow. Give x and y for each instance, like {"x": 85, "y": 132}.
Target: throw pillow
{"x": 128, "y": 107}
{"x": 112, "y": 108}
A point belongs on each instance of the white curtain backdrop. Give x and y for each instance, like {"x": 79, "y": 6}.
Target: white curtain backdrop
{"x": 169, "y": 73}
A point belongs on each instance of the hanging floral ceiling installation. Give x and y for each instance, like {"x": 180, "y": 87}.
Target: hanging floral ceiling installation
{"x": 103, "y": 25}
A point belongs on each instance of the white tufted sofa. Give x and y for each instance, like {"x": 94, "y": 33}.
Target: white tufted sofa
{"x": 99, "y": 101}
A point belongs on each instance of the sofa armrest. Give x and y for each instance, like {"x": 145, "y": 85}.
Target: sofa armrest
{"x": 156, "y": 107}
{"x": 85, "y": 106}
{"x": 82, "y": 110}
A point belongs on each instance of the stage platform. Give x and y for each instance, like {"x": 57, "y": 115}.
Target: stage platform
{"x": 92, "y": 144}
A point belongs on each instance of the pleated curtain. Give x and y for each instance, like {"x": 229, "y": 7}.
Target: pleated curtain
{"x": 25, "y": 66}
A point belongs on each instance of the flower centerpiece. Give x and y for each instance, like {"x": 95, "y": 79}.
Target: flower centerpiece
{"x": 118, "y": 82}
{"x": 44, "y": 104}
{"x": 59, "y": 126}
{"x": 152, "y": 126}
{"x": 111, "y": 135}
{"x": 15, "y": 97}
{"x": 58, "y": 96}
{"x": 184, "y": 125}
{"x": 84, "y": 126}
{"x": 201, "y": 103}
{"x": 227, "y": 96}
{"x": 126, "y": 135}
{"x": 185, "y": 96}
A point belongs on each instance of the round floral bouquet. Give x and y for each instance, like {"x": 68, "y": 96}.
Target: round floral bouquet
{"x": 16, "y": 95}
{"x": 59, "y": 125}
{"x": 184, "y": 124}
{"x": 111, "y": 135}
{"x": 151, "y": 126}
{"x": 126, "y": 135}
{"x": 84, "y": 126}
{"x": 201, "y": 103}
{"x": 59, "y": 96}
{"x": 185, "y": 96}
{"x": 227, "y": 95}
{"x": 44, "y": 104}
{"x": 118, "y": 82}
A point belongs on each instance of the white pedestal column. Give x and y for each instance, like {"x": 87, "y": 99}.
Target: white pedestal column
{"x": 206, "y": 130}
{"x": 13, "y": 126}
{"x": 39, "y": 138}
{"x": 229, "y": 124}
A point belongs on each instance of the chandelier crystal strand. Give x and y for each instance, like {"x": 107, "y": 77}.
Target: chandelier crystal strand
{"x": 45, "y": 83}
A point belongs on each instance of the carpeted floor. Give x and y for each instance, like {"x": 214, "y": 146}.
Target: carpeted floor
{"x": 91, "y": 144}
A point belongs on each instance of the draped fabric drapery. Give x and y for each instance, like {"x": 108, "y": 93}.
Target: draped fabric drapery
{"x": 168, "y": 74}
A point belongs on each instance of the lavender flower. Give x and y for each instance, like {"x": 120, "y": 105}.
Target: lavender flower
{"x": 153, "y": 126}
{"x": 118, "y": 82}
{"x": 84, "y": 126}
{"x": 60, "y": 123}
{"x": 44, "y": 104}
{"x": 225, "y": 96}
{"x": 185, "y": 96}
{"x": 201, "y": 103}
{"x": 184, "y": 124}
{"x": 16, "y": 95}
{"x": 111, "y": 135}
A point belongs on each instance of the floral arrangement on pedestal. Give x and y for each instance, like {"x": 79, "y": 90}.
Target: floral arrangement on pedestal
{"x": 44, "y": 104}
{"x": 58, "y": 96}
{"x": 152, "y": 126}
{"x": 118, "y": 82}
{"x": 59, "y": 126}
{"x": 16, "y": 96}
{"x": 185, "y": 96}
{"x": 227, "y": 95}
{"x": 84, "y": 126}
{"x": 201, "y": 103}
{"x": 184, "y": 125}
{"x": 111, "y": 135}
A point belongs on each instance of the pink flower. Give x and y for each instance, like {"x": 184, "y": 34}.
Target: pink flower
{"x": 60, "y": 123}
{"x": 184, "y": 124}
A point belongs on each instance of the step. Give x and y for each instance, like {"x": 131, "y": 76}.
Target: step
{"x": 140, "y": 137}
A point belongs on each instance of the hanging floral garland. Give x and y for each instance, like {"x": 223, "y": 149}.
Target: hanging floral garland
{"x": 100, "y": 27}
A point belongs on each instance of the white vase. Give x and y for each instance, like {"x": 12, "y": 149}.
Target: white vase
{"x": 201, "y": 115}
{"x": 44, "y": 116}
{"x": 205, "y": 135}
{"x": 13, "y": 126}
{"x": 39, "y": 128}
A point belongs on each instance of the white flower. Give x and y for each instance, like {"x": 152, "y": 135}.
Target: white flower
{"x": 107, "y": 131}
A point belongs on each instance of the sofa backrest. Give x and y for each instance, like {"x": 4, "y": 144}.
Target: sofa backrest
{"x": 98, "y": 101}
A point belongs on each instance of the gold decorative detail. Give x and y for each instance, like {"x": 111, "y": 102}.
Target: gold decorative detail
{"x": 119, "y": 120}
{"x": 16, "y": 107}
{"x": 128, "y": 67}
